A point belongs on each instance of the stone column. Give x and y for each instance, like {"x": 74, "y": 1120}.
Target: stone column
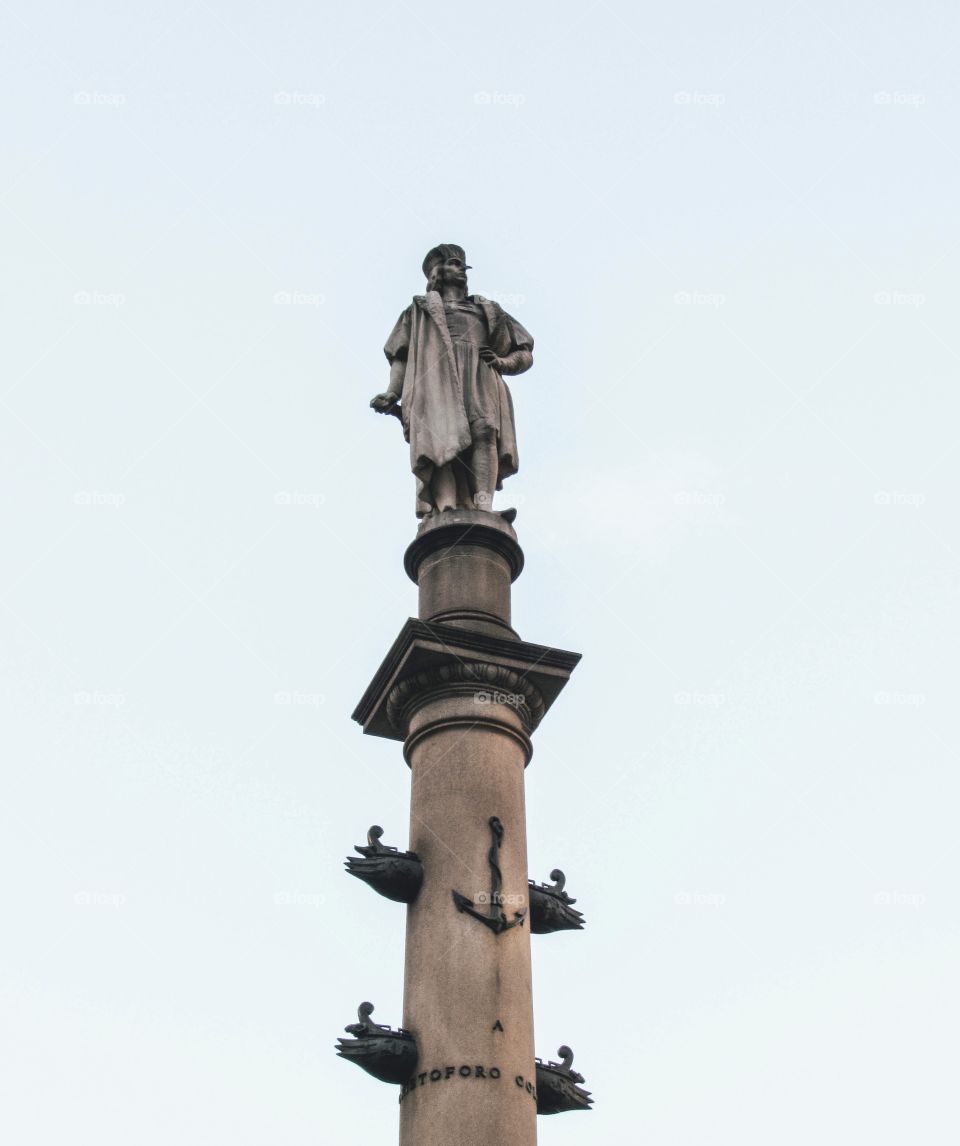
{"x": 464, "y": 693}
{"x": 467, "y": 990}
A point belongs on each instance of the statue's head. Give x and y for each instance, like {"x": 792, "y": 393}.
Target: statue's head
{"x": 446, "y": 263}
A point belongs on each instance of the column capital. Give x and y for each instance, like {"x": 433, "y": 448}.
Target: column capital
{"x": 428, "y": 660}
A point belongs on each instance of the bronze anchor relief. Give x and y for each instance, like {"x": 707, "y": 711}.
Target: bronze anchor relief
{"x": 495, "y": 917}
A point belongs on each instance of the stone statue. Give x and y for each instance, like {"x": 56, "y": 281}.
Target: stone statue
{"x": 448, "y": 354}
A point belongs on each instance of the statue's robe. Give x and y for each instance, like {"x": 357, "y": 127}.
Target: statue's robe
{"x": 435, "y": 414}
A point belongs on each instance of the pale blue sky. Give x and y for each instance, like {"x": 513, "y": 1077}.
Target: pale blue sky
{"x": 732, "y": 230}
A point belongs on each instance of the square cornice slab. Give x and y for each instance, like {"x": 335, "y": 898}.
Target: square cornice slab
{"x": 421, "y": 646}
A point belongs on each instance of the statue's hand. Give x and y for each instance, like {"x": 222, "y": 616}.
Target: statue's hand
{"x": 384, "y": 403}
{"x": 489, "y": 356}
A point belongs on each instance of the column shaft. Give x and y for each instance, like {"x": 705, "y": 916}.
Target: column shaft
{"x": 467, "y": 990}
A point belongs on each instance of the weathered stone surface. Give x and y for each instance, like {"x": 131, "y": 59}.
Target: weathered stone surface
{"x": 467, "y": 990}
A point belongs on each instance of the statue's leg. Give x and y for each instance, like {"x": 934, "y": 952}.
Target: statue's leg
{"x": 484, "y": 466}
{"x": 464, "y": 479}
{"x": 443, "y": 487}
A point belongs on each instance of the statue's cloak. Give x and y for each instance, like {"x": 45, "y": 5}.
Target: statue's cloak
{"x": 435, "y": 420}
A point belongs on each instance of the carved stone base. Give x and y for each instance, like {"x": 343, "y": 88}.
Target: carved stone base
{"x": 464, "y": 562}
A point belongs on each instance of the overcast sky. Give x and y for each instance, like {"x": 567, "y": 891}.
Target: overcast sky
{"x": 732, "y": 231}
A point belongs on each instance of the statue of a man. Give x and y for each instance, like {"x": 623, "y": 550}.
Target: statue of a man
{"x": 448, "y": 354}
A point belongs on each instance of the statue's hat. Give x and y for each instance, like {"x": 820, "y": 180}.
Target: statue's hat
{"x": 440, "y": 254}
